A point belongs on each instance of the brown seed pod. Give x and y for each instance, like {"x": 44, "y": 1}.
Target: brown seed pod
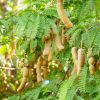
{"x": 47, "y": 47}
{"x": 25, "y": 71}
{"x": 60, "y": 66}
{"x": 62, "y": 14}
{"x": 45, "y": 69}
{"x": 98, "y": 65}
{"x": 68, "y": 74}
{"x": 45, "y": 38}
{"x": 57, "y": 22}
{"x": 74, "y": 70}
{"x": 92, "y": 69}
{"x": 79, "y": 70}
{"x": 91, "y": 61}
{"x": 22, "y": 85}
{"x": 74, "y": 55}
{"x": 68, "y": 37}
{"x": 63, "y": 36}
{"x": 81, "y": 60}
{"x": 38, "y": 69}
{"x": 50, "y": 56}
{"x": 13, "y": 48}
{"x": 58, "y": 44}
{"x": 89, "y": 53}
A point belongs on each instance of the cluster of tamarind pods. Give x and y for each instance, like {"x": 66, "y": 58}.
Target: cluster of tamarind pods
{"x": 79, "y": 61}
{"x": 42, "y": 66}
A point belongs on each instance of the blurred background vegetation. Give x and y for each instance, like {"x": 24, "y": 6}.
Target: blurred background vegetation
{"x": 25, "y": 22}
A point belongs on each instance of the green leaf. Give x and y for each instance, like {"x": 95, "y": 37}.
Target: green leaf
{"x": 66, "y": 86}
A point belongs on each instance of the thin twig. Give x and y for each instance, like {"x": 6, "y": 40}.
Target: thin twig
{"x": 9, "y": 68}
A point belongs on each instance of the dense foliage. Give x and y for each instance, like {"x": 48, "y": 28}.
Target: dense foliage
{"x": 22, "y": 30}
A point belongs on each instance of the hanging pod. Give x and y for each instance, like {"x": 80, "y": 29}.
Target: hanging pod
{"x": 75, "y": 59}
{"x": 38, "y": 69}
{"x": 81, "y": 60}
{"x": 47, "y": 47}
{"x": 57, "y": 41}
{"x": 62, "y": 14}
{"x": 24, "y": 79}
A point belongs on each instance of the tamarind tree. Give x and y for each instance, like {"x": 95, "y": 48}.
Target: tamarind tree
{"x": 50, "y": 50}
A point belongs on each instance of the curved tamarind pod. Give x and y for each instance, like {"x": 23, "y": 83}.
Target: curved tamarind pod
{"x": 50, "y": 56}
{"x": 60, "y": 67}
{"x": 45, "y": 38}
{"x": 79, "y": 70}
{"x": 24, "y": 79}
{"x": 58, "y": 44}
{"x": 45, "y": 69}
{"x": 74, "y": 55}
{"x": 68, "y": 74}
{"x": 62, "y": 14}
{"x": 38, "y": 69}
{"x": 63, "y": 37}
{"x": 47, "y": 47}
{"x": 57, "y": 22}
{"x": 25, "y": 72}
{"x": 92, "y": 69}
{"x": 98, "y": 65}
{"x": 74, "y": 70}
{"x": 13, "y": 47}
{"x": 91, "y": 61}
{"x": 81, "y": 60}
{"x": 89, "y": 53}
{"x": 22, "y": 85}
{"x": 68, "y": 37}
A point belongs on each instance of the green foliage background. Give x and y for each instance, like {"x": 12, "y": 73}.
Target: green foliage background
{"x": 29, "y": 25}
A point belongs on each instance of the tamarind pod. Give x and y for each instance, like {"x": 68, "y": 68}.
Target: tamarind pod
{"x": 63, "y": 37}
{"x": 16, "y": 85}
{"x": 13, "y": 47}
{"x": 39, "y": 76}
{"x": 50, "y": 56}
{"x": 60, "y": 67}
{"x": 57, "y": 22}
{"x": 89, "y": 53}
{"x": 47, "y": 47}
{"x": 68, "y": 37}
{"x": 62, "y": 14}
{"x": 45, "y": 72}
{"x": 74, "y": 70}
{"x": 45, "y": 38}
{"x": 91, "y": 61}
{"x": 25, "y": 71}
{"x": 74, "y": 55}
{"x": 79, "y": 70}
{"x": 81, "y": 60}
{"x": 34, "y": 75}
{"x": 38, "y": 69}
{"x": 58, "y": 44}
{"x": 68, "y": 74}
{"x": 92, "y": 69}
{"x": 45, "y": 69}
{"x": 24, "y": 79}
{"x": 22, "y": 85}
{"x": 98, "y": 65}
